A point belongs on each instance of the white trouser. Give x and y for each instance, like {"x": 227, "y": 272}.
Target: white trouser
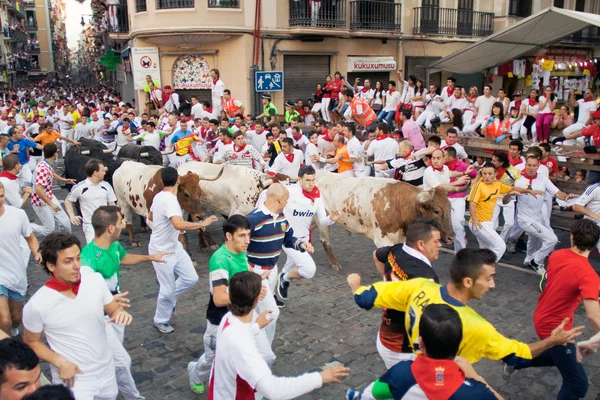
{"x": 515, "y": 129}
{"x": 201, "y": 369}
{"x": 65, "y": 146}
{"x": 316, "y": 108}
{"x": 25, "y": 176}
{"x": 472, "y": 126}
{"x": 33, "y": 162}
{"x": 533, "y": 132}
{"x": 444, "y": 117}
{"x": 458, "y": 222}
{"x": 88, "y": 231}
{"x": 425, "y": 119}
{"x": 302, "y": 260}
{"x": 389, "y": 357}
{"x": 541, "y": 242}
{"x": 122, "y": 361}
{"x": 179, "y": 263}
{"x": 100, "y": 386}
{"x": 508, "y": 212}
{"x": 175, "y": 161}
{"x": 325, "y": 108}
{"x": 389, "y": 173}
{"x": 569, "y": 130}
{"x": 349, "y": 173}
{"x": 580, "y": 141}
{"x": 268, "y": 303}
{"x": 49, "y": 218}
{"x": 467, "y": 117}
{"x": 488, "y": 238}
{"x": 365, "y": 171}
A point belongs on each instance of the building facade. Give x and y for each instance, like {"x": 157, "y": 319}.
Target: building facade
{"x": 16, "y": 56}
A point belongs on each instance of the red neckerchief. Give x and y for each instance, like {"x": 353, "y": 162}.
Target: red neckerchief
{"x": 586, "y": 100}
{"x": 239, "y": 149}
{"x": 408, "y": 155}
{"x": 452, "y": 164}
{"x": 296, "y": 138}
{"x": 327, "y": 138}
{"x": 532, "y": 102}
{"x": 382, "y": 136}
{"x": 289, "y": 157}
{"x": 438, "y": 379}
{"x": 518, "y": 104}
{"x": 4, "y": 119}
{"x": 531, "y": 178}
{"x": 8, "y": 175}
{"x": 449, "y": 91}
{"x": 215, "y": 81}
{"x": 434, "y": 168}
{"x": 514, "y": 161}
{"x": 365, "y": 90}
{"x": 209, "y": 110}
{"x": 59, "y": 286}
{"x": 318, "y": 93}
{"x": 226, "y": 142}
{"x": 315, "y": 194}
{"x": 472, "y": 98}
{"x": 391, "y": 91}
{"x": 500, "y": 172}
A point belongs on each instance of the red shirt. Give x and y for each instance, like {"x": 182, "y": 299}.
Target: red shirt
{"x": 592, "y": 131}
{"x": 552, "y": 165}
{"x": 571, "y": 279}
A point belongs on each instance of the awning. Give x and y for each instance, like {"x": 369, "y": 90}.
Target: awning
{"x": 126, "y": 52}
{"x": 542, "y": 29}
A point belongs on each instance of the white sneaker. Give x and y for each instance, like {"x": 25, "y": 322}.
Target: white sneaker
{"x": 164, "y": 328}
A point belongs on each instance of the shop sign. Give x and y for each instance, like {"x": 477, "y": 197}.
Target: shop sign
{"x": 366, "y": 64}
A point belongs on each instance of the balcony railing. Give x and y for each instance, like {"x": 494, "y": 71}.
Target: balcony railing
{"x": 223, "y": 3}
{"x": 119, "y": 23}
{"x": 375, "y": 15}
{"x": 17, "y": 35}
{"x": 140, "y": 6}
{"x": 452, "y": 22}
{"x": 17, "y": 7}
{"x": 323, "y": 14}
{"x": 33, "y": 48}
{"x": 589, "y": 35}
{"x": 32, "y": 25}
{"x": 167, "y": 4}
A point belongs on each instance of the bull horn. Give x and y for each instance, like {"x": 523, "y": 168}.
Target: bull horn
{"x": 145, "y": 154}
{"x": 85, "y": 152}
{"x": 425, "y": 197}
{"x": 167, "y": 152}
{"x": 216, "y": 177}
{"x": 106, "y": 151}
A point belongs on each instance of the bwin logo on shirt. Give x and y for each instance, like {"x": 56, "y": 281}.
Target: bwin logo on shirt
{"x": 303, "y": 213}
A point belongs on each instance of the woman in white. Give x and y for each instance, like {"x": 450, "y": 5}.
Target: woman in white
{"x": 378, "y": 97}
{"x": 504, "y": 100}
{"x": 418, "y": 100}
{"x": 468, "y": 111}
{"x": 529, "y": 111}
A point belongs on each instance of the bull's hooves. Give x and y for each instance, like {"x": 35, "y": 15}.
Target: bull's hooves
{"x": 336, "y": 267}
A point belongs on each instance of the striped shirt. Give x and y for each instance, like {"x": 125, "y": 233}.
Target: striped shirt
{"x": 268, "y": 233}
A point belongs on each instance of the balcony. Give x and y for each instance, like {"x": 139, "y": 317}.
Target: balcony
{"x": 223, "y": 3}
{"x": 31, "y": 25}
{"x": 120, "y": 22}
{"x": 452, "y": 22}
{"x": 140, "y": 6}
{"x": 519, "y": 8}
{"x": 375, "y": 15}
{"x": 17, "y": 36}
{"x": 17, "y": 8}
{"x": 33, "y": 48}
{"x": 328, "y": 14}
{"x": 170, "y": 4}
{"x": 588, "y": 36}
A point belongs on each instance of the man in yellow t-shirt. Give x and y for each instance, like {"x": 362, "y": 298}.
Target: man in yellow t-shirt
{"x": 471, "y": 277}
{"x": 482, "y": 202}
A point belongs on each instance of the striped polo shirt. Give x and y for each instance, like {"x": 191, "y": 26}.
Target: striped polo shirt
{"x": 268, "y": 233}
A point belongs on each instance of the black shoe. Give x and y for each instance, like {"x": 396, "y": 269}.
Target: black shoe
{"x": 282, "y": 287}
{"x": 279, "y": 303}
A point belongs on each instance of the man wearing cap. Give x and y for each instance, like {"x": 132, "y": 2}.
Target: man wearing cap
{"x": 172, "y": 104}
{"x": 514, "y": 115}
{"x": 290, "y": 112}
{"x": 579, "y": 138}
{"x": 269, "y": 112}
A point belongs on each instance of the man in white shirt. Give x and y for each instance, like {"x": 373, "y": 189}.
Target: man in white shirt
{"x": 483, "y": 109}
{"x": 312, "y": 149}
{"x": 123, "y": 132}
{"x": 223, "y": 144}
{"x": 383, "y": 148}
{"x": 165, "y": 215}
{"x": 356, "y": 152}
{"x": 66, "y": 126}
{"x": 438, "y": 175}
{"x": 433, "y": 107}
{"x": 83, "y": 129}
{"x": 588, "y": 204}
{"x": 451, "y": 141}
{"x": 91, "y": 194}
{"x": 216, "y": 90}
{"x": 239, "y": 371}
{"x": 257, "y": 137}
{"x": 95, "y": 126}
{"x": 364, "y": 92}
{"x": 242, "y": 154}
{"x": 457, "y": 101}
{"x": 288, "y": 162}
{"x": 392, "y": 99}
{"x": 197, "y": 109}
{"x": 173, "y": 103}
{"x": 449, "y": 90}
{"x": 325, "y": 144}
{"x": 75, "y": 329}
{"x": 587, "y": 106}
{"x": 10, "y": 180}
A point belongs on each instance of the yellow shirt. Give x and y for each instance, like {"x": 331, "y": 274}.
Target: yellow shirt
{"x": 76, "y": 116}
{"x": 480, "y": 338}
{"x": 182, "y": 146}
{"x": 485, "y": 197}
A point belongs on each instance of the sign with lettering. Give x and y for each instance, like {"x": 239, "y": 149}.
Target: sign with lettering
{"x": 365, "y": 64}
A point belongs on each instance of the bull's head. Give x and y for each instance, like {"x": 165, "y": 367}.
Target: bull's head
{"x": 189, "y": 192}
{"x": 434, "y": 204}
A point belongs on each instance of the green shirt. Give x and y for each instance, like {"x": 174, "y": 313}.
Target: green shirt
{"x": 270, "y": 110}
{"x": 222, "y": 266}
{"x": 107, "y": 262}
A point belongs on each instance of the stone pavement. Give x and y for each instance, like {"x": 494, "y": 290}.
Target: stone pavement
{"x": 321, "y": 323}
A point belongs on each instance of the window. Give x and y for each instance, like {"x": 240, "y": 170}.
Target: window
{"x": 519, "y": 8}
{"x": 140, "y": 6}
{"x": 224, "y": 3}
{"x": 167, "y": 4}
{"x": 559, "y": 3}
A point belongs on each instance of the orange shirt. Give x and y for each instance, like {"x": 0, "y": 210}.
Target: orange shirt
{"x": 44, "y": 138}
{"x": 343, "y": 165}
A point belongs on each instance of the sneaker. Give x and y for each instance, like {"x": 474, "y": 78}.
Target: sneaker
{"x": 511, "y": 246}
{"x": 164, "y": 328}
{"x": 197, "y": 388}
{"x": 353, "y": 395}
{"x": 279, "y": 303}
{"x": 543, "y": 282}
{"x": 282, "y": 287}
{"x": 14, "y": 332}
{"x": 538, "y": 268}
{"x": 507, "y": 372}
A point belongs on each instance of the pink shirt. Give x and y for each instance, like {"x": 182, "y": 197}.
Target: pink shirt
{"x": 461, "y": 166}
{"x": 412, "y": 132}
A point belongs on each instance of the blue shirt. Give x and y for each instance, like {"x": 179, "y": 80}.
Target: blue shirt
{"x": 179, "y": 134}
{"x": 23, "y": 145}
{"x": 268, "y": 233}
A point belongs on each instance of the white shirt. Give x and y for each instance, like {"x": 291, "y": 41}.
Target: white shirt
{"x": 365, "y": 94}
{"x": 460, "y": 151}
{"x": 150, "y": 139}
{"x": 484, "y": 106}
{"x": 164, "y": 236}
{"x": 173, "y": 103}
{"x": 66, "y": 121}
{"x": 12, "y": 191}
{"x": 546, "y": 109}
{"x": 590, "y": 199}
{"x": 326, "y": 146}
{"x": 453, "y": 102}
{"x": 221, "y": 148}
{"x": 302, "y": 141}
{"x": 121, "y": 136}
{"x": 255, "y": 139}
{"x": 95, "y": 127}
{"x": 383, "y": 149}
{"x": 392, "y": 99}
{"x": 15, "y": 227}
{"x": 529, "y": 206}
{"x": 311, "y": 149}
{"x": 75, "y": 328}
{"x": 300, "y": 210}
{"x": 239, "y": 370}
{"x": 283, "y": 166}
{"x": 91, "y": 196}
{"x": 82, "y": 131}
{"x": 444, "y": 93}
{"x": 216, "y": 91}
{"x": 355, "y": 150}
{"x": 433, "y": 178}
{"x": 585, "y": 109}
{"x": 197, "y": 111}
